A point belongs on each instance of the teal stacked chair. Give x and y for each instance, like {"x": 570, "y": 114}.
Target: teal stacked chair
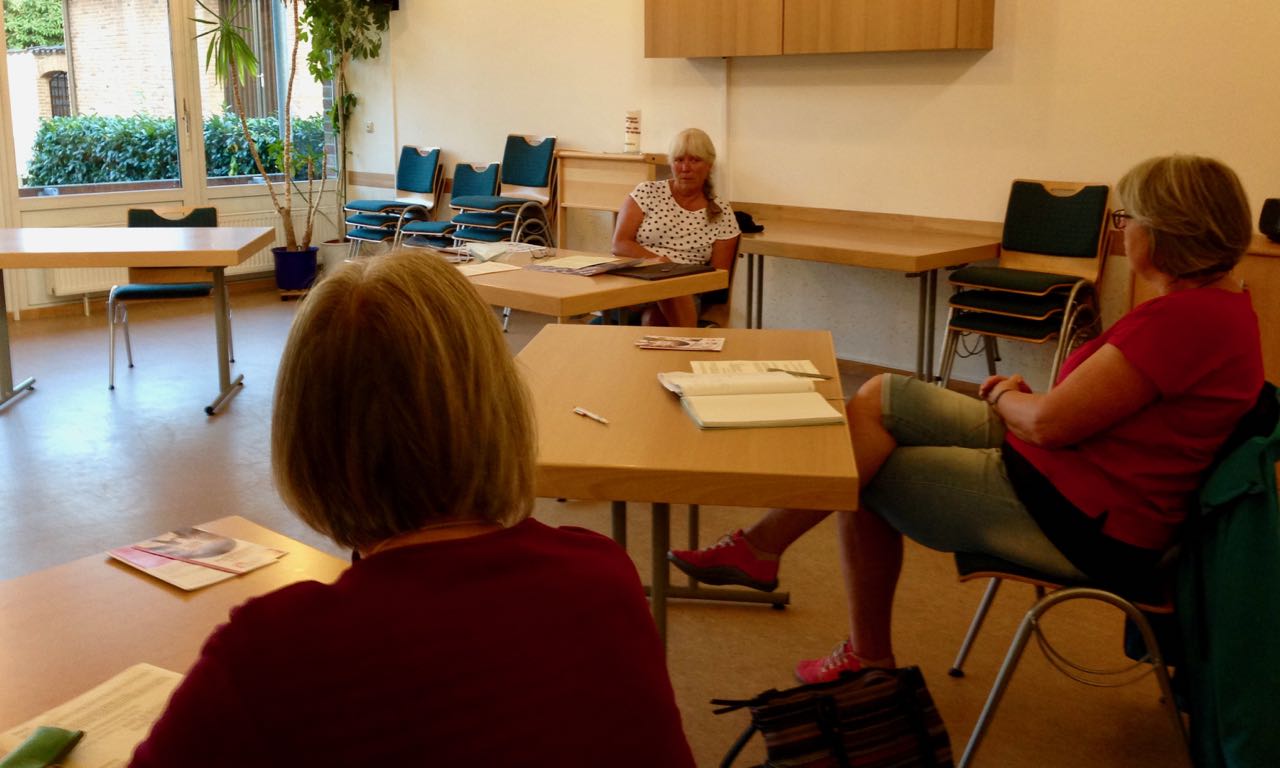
{"x": 523, "y": 209}
{"x": 468, "y": 181}
{"x": 156, "y": 283}
{"x": 419, "y": 179}
{"x": 1045, "y": 287}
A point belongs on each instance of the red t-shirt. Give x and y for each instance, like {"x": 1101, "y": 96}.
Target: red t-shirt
{"x": 529, "y": 646}
{"x": 1201, "y": 350}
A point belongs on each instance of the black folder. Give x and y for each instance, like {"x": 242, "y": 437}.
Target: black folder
{"x": 663, "y": 270}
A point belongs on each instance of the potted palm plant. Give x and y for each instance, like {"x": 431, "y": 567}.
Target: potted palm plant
{"x": 233, "y": 61}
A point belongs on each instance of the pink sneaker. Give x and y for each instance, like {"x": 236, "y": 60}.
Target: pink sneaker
{"x": 728, "y": 561}
{"x": 830, "y": 666}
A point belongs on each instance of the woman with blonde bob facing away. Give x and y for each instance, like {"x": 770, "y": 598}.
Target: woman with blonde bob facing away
{"x": 682, "y": 220}
{"x": 1091, "y": 479}
{"x": 465, "y": 633}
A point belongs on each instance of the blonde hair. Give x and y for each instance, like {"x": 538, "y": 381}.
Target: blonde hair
{"x": 696, "y": 143}
{"x": 1196, "y": 210}
{"x": 397, "y": 404}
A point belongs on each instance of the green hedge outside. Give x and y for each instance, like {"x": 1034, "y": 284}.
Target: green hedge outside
{"x": 97, "y": 149}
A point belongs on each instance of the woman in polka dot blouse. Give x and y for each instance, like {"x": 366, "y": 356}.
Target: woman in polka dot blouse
{"x": 681, "y": 220}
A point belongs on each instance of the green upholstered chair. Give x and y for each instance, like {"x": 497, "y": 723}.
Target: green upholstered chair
{"x": 419, "y": 180}
{"x": 148, "y": 284}
{"x": 523, "y": 208}
{"x": 1051, "y": 257}
{"x": 468, "y": 181}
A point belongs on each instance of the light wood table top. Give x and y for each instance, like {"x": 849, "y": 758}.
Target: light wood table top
{"x": 865, "y": 245}
{"x": 651, "y": 451}
{"x": 561, "y": 295}
{"x": 50, "y": 247}
{"x": 67, "y": 628}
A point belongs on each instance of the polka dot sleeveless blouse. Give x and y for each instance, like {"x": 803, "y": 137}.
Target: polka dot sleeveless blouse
{"x": 680, "y": 235}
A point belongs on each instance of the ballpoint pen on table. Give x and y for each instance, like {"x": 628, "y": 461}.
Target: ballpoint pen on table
{"x": 590, "y": 415}
{"x": 804, "y": 374}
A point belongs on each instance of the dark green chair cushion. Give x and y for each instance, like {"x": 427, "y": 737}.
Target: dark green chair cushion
{"x": 468, "y": 182}
{"x": 1038, "y": 221}
{"x": 370, "y": 235}
{"x": 374, "y": 220}
{"x": 968, "y": 565}
{"x": 416, "y": 171}
{"x": 142, "y": 291}
{"x": 487, "y": 220}
{"x": 376, "y": 206}
{"x": 1020, "y": 280}
{"x": 1036, "y": 331}
{"x": 430, "y": 228}
{"x": 527, "y": 165}
{"x": 427, "y": 241}
{"x": 198, "y": 217}
{"x": 1022, "y": 305}
{"x": 482, "y": 235}
{"x": 487, "y": 202}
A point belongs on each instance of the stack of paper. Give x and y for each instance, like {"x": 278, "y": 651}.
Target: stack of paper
{"x": 190, "y": 558}
{"x": 769, "y": 399}
{"x": 585, "y": 264}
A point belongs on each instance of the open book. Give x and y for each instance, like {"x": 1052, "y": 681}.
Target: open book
{"x": 190, "y": 558}
{"x": 770, "y": 399}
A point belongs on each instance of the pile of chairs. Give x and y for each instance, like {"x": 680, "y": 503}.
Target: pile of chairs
{"x": 509, "y": 201}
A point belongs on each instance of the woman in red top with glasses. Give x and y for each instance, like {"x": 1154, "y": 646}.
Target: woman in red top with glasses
{"x": 1089, "y": 480}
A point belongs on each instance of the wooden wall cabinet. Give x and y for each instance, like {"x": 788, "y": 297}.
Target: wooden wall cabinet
{"x": 691, "y": 28}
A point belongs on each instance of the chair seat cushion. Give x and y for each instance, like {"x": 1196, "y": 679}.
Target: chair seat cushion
{"x": 387, "y": 206}
{"x": 1152, "y": 593}
{"x": 1019, "y": 280}
{"x": 426, "y": 241}
{"x": 434, "y": 228}
{"x": 482, "y": 235}
{"x": 374, "y": 220}
{"x": 486, "y": 220}
{"x": 1021, "y": 305}
{"x": 371, "y": 235}
{"x": 1035, "y": 331}
{"x": 487, "y": 202}
{"x": 140, "y": 291}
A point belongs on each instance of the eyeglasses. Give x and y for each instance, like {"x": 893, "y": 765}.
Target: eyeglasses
{"x": 1119, "y": 218}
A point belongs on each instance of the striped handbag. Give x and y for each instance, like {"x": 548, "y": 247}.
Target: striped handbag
{"x": 872, "y": 718}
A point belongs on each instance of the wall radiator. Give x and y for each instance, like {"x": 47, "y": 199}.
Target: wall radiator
{"x": 78, "y": 282}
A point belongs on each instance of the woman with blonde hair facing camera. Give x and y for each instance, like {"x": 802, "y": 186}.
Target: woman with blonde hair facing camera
{"x": 682, "y": 220}
{"x": 465, "y": 633}
{"x": 1091, "y": 479}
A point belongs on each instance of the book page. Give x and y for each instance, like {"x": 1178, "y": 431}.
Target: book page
{"x": 576, "y": 262}
{"x": 115, "y": 717}
{"x": 751, "y": 366}
{"x": 686, "y": 384}
{"x": 485, "y": 268}
{"x": 792, "y": 409}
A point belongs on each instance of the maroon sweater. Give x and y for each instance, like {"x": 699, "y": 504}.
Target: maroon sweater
{"x": 530, "y": 646}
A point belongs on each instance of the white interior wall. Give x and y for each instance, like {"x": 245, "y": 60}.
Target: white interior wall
{"x": 1073, "y": 89}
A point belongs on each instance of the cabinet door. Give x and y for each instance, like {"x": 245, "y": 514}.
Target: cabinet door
{"x": 689, "y": 28}
{"x": 836, "y": 26}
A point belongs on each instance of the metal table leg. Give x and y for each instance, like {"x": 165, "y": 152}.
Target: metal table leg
{"x": 661, "y": 572}
{"x": 751, "y": 289}
{"x": 8, "y": 391}
{"x": 619, "y": 510}
{"x": 921, "y": 304}
{"x": 931, "y": 322}
{"x": 222, "y": 325}
{"x": 760, "y": 291}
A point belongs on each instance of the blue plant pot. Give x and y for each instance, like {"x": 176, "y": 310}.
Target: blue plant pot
{"x": 295, "y": 270}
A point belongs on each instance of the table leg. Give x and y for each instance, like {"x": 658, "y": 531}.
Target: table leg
{"x": 931, "y": 322}
{"x": 619, "y": 511}
{"x": 222, "y": 325}
{"x": 760, "y": 291}
{"x": 751, "y": 289}
{"x": 7, "y": 389}
{"x": 661, "y": 572}
{"x": 922, "y": 302}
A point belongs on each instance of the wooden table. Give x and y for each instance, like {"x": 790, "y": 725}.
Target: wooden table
{"x": 213, "y": 248}
{"x": 918, "y": 248}
{"x": 562, "y": 296}
{"x": 600, "y": 181}
{"x": 70, "y": 627}
{"x": 651, "y": 451}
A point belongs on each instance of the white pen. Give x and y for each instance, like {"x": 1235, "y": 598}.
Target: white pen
{"x": 590, "y": 415}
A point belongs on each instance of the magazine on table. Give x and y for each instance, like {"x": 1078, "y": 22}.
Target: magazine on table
{"x": 584, "y": 264}
{"x": 682, "y": 343}
{"x": 190, "y": 558}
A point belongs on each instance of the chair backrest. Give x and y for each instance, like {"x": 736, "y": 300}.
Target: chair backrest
{"x": 172, "y": 217}
{"x": 481, "y": 180}
{"x": 419, "y": 171}
{"x": 1056, "y": 226}
{"x": 528, "y": 167}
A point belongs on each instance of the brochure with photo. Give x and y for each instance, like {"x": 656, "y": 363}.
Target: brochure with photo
{"x": 685, "y": 343}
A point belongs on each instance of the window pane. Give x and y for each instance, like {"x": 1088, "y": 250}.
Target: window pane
{"x": 267, "y": 27}
{"x": 92, "y": 98}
